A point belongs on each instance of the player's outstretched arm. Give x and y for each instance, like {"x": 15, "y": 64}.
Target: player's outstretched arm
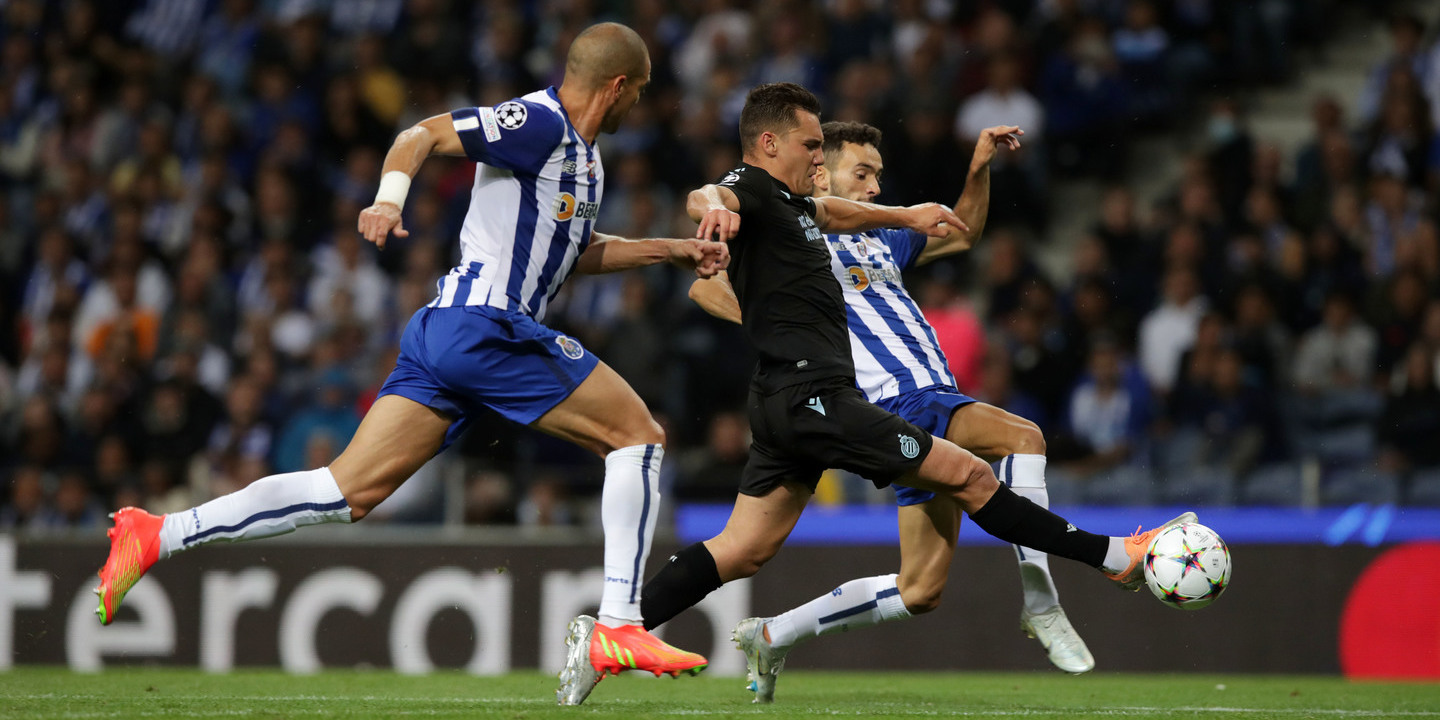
{"x": 432, "y": 136}
{"x": 838, "y": 215}
{"x": 717, "y": 209}
{"x": 610, "y": 253}
{"x": 973, "y": 207}
{"x": 717, "y": 297}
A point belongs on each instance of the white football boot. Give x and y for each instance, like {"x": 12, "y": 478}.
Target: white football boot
{"x": 1055, "y": 633}
{"x": 763, "y": 661}
{"x": 579, "y": 676}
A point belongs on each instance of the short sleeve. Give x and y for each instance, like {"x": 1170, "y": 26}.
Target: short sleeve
{"x": 744, "y": 185}
{"x": 906, "y": 245}
{"x": 517, "y": 135}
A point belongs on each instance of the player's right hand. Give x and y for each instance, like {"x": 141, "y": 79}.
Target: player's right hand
{"x": 934, "y": 219}
{"x": 718, "y": 224}
{"x": 377, "y": 222}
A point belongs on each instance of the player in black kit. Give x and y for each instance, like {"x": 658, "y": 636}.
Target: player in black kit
{"x": 806, "y": 414}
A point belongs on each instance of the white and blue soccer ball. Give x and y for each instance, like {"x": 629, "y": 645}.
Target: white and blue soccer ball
{"x": 1187, "y": 566}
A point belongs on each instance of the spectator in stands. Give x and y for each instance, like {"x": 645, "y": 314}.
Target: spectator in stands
{"x": 711, "y": 473}
{"x": 1169, "y": 330}
{"x": 1104, "y": 429}
{"x": 1410, "y": 422}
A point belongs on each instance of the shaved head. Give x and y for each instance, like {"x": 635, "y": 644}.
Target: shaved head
{"x": 604, "y": 52}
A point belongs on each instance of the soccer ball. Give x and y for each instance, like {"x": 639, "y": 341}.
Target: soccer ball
{"x": 1187, "y": 566}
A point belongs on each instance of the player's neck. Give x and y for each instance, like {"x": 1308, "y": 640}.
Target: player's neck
{"x": 765, "y": 163}
{"x": 585, "y": 110}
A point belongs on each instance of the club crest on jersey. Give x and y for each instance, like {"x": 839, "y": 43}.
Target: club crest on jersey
{"x": 590, "y": 169}
{"x": 574, "y": 350}
{"x": 909, "y": 447}
{"x": 566, "y": 207}
{"x": 511, "y": 115}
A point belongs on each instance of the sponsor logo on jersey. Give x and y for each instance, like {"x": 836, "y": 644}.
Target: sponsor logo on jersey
{"x": 570, "y": 347}
{"x": 511, "y": 115}
{"x": 487, "y": 121}
{"x": 566, "y": 207}
{"x": 858, "y": 279}
{"x": 730, "y": 178}
{"x": 909, "y": 447}
{"x": 812, "y": 232}
{"x": 568, "y": 167}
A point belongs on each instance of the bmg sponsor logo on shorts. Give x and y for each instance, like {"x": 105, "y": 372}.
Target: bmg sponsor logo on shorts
{"x": 573, "y": 349}
{"x": 909, "y": 447}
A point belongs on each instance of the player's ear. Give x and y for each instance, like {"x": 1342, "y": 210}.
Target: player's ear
{"x": 822, "y": 178}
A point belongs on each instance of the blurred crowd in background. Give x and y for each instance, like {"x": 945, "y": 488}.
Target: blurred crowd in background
{"x": 185, "y": 305}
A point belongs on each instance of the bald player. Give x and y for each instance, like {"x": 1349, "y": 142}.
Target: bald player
{"x": 480, "y": 342}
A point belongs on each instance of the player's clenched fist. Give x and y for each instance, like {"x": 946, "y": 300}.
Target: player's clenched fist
{"x": 932, "y": 219}
{"x": 706, "y": 258}
{"x": 718, "y": 224}
{"x": 377, "y": 222}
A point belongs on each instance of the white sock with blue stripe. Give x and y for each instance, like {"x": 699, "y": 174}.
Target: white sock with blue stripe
{"x": 1025, "y": 474}
{"x": 859, "y": 603}
{"x": 270, "y": 506}
{"x": 629, "y": 504}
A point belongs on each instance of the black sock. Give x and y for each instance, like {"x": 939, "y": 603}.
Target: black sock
{"x": 685, "y": 580}
{"x": 1016, "y": 520}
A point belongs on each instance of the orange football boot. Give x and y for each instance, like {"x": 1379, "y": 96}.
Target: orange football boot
{"x": 631, "y": 647}
{"x": 134, "y": 547}
{"x": 1133, "y": 576}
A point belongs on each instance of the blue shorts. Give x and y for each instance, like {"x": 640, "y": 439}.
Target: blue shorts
{"x": 456, "y": 359}
{"x": 930, "y": 409}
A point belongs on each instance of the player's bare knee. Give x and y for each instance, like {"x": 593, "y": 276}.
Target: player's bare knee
{"x": 1027, "y": 438}
{"x": 646, "y": 432}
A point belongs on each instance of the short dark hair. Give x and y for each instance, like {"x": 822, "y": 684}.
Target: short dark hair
{"x": 837, "y": 133}
{"x": 771, "y": 108}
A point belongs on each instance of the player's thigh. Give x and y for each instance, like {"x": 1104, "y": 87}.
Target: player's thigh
{"x": 396, "y": 437}
{"x": 928, "y": 532}
{"x": 952, "y": 471}
{"x": 603, "y": 415}
{"x": 757, "y": 528}
{"x": 992, "y": 433}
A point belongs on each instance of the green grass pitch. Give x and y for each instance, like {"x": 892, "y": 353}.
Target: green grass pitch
{"x": 159, "y": 693}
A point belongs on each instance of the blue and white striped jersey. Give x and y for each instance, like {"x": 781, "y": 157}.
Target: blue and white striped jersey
{"x": 537, "y": 192}
{"x": 894, "y": 348}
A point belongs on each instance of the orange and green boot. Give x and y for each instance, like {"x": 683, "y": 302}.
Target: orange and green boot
{"x": 134, "y": 547}
{"x": 631, "y": 647}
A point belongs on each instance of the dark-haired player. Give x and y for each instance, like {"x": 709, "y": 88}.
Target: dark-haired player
{"x": 806, "y": 414}
{"x": 900, "y": 367}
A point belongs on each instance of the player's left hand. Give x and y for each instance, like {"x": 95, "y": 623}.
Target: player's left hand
{"x": 378, "y": 220}
{"x": 994, "y": 138}
{"x": 934, "y": 219}
{"x": 706, "y": 258}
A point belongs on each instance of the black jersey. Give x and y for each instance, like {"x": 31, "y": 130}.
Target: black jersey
{"x": 790, "y": 302}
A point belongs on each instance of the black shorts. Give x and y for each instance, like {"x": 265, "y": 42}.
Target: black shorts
{"x": 801, "y": 431}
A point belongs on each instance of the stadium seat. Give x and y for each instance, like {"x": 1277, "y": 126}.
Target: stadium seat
{"x": 1424, "y": 488}
{"x": 1357, "y": 484}
{"x": 1277, "y": 484}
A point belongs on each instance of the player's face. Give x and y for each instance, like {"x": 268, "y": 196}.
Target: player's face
{"x": 798, "y": 154}
{"x": 629, "y": 94}
{"x": 855, "y": 174}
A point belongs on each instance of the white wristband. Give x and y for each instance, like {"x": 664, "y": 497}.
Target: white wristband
{"x": 394, "y": 186}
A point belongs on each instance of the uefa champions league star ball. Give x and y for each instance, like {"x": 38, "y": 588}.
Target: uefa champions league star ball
{"x": 1187, "y": 566}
